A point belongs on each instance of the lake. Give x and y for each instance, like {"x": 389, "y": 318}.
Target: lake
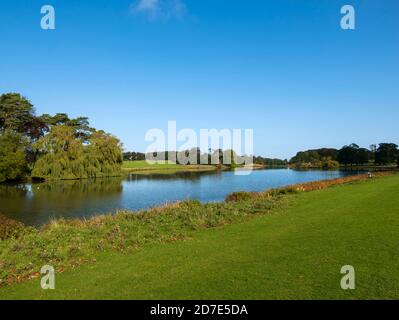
{"x": 35, "y": 204}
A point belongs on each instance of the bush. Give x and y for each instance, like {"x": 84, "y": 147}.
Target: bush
{"x": 283, "y": 191}
{"x": 241, "y": 196}
{"x": 330, "y": 164}
{"x": 10, "y": 228}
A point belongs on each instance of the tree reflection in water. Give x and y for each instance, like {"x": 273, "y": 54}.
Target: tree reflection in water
{"x": 36, "y": 203}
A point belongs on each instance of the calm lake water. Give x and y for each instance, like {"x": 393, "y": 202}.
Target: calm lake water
{"x": 36, "y": 204}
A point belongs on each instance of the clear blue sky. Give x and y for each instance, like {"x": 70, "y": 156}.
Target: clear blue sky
{"x": 282, "y": 67}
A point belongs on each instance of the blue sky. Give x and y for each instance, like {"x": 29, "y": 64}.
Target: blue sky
{"x": 282, "y": 67}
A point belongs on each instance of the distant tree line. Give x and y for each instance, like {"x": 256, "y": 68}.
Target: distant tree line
{"x": 133, "y": 156}
{"x": 200, "y": 157}
{"x": 193, "y": 156}
{"x": 383, "y": 154}
{"x": 317, "y": 158}
{"x": 327, "y": 158}
{"x": 269, "y": 162}
{"x": 52, "y": 147}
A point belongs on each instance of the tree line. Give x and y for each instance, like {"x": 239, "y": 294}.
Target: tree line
{"x": 353, "y": 154}
{"x": 60, "y": 147}
{"x": 201, "y": 157}
{"x": 192, "y": 156}
{"x": 52, "y": 147}
{"x": 327, "y": 158}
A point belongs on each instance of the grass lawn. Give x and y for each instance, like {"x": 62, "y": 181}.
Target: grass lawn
{"x": 295, "y": 253}
{"x": 166, "y": 167}
{"x": 145, "y": 165}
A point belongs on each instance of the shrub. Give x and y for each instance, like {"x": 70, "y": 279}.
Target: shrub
{"x": 283, "y": 191}
{"x": 330, "y": 164}
{"x": 241, "y": 196}
{"x": 10, "y": 228}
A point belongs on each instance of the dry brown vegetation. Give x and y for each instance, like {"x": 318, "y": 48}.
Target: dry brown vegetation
{"x": 309, "y": 186}
{"x": 10, "y": 228}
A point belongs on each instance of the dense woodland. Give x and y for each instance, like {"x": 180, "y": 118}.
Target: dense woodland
{"x": 52, "y": 147}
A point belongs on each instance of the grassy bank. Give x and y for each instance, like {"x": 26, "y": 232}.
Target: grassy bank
{"x": 143, "y": 167}
{"x": 236, "y": 249}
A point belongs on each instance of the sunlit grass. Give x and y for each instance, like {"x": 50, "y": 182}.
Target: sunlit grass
{"x": 277, "y": 244}
{"x": 162, "y": 167}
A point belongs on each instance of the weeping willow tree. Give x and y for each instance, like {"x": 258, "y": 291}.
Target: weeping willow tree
{"x": 103, "y": 155}
{"x": 63, "y": 154}
{"x": 52, "y": 147}
{"x": 13, "y": 163}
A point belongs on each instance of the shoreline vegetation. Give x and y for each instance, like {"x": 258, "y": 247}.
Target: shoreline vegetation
{"x": 143, "y": 167}
{"x": 66, "y": 244}
{"x": 140, "y": 167}
{"x": 46, "y": 147}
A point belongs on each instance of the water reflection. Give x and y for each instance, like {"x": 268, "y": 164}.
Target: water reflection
{"x": 191, "y": 176}
{"x": 36, "y": 204}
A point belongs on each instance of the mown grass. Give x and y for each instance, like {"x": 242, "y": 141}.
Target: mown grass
{"x": 68, "y": 243}
{"x": 143, "y": 167}
{"x": 176, "y": 251}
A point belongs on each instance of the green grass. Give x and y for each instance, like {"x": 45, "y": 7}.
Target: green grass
{"x": 166, "y": 167}
{"x": 295, "y": 253}
{"x": 145, "y": 165}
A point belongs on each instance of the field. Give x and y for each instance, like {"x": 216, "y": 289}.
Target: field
{"x": 286, "y": 247}
{"x": 166, "y": 167}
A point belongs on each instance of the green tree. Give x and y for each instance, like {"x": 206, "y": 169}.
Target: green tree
{"x": 373, "y": 150}
{"x": 230, "y": 158}
{"x": 347, "y": 154}
{"x": 363, "y": 156}
{"x": 13, "y": 163}
{"x": 314, "y": 157}
{"x": 387, "y": 153}
{"x": 62, "y": 155}
{"x": 80, "y": 125}
{"x": 353, "y": 154}
{"x": 103, "y": 155}
{"x": 56, "y": 147}
{"x": 330, "y": 164}
{"x": 17, "y": 114}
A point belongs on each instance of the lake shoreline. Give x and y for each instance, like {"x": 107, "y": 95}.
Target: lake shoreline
{"x": 162, "y": 256}
{"x": 69, "y": 243}
{"x": 158, "y": 170}
{"x": 36, "y": 203}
